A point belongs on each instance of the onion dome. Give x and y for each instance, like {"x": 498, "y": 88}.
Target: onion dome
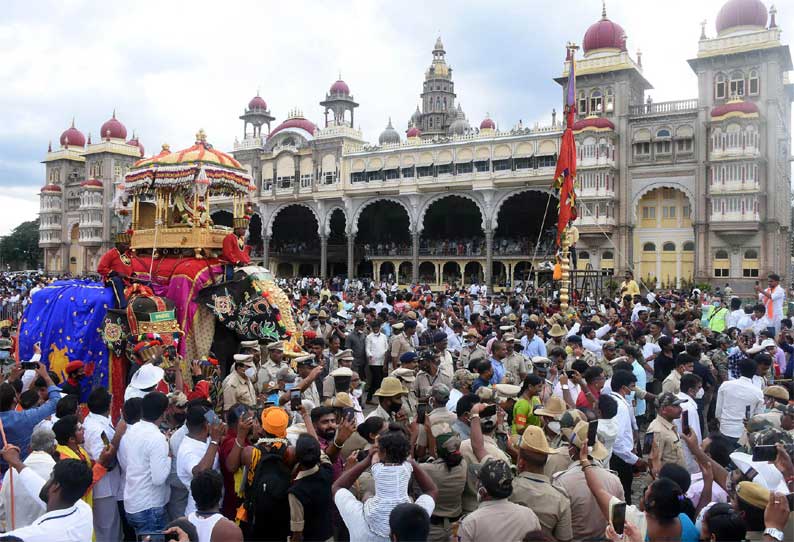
{"x": 72, "y": 136}
{"x": 257, "y": 103}
{"x": 113, "y": 129}
{"x": 734, "y": 108}
{"x": 413, "y": 131}
{"x": 339, "y": 87}
{"x": 460, "y": 125}
{"x": 389, "y": 136}
{"x": 604, "y": 34}
{"x": 487, "y": 123}
{"x": 296, "y": 120}
{"x": 92, "y": 183}
{"x": 135, "y": 143}
{"x": 416, "y": 117}
{"x": 741, "y": 13}
{"x": 594, "y": 124}
{"x": 51, "y": 188}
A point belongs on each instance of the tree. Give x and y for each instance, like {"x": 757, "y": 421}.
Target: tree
{"x": 21, "y": 246}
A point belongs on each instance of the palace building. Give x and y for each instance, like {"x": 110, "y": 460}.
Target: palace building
{"x": 693, "y": 190}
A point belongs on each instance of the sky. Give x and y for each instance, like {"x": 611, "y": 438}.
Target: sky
{"x": 169, "y": 68}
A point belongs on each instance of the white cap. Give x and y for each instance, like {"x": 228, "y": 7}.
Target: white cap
{"x": 147, "y": 376}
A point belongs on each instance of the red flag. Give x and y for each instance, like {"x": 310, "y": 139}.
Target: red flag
{"x": 565, "y": 174}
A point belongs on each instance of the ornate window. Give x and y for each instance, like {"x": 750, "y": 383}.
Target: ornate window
{"x": 648, "y": 212}
{"x": 582, "y": 103}
{"x": 722, "y": 266}
{"x": 669, "y": 246}
{"x": 610, "y": 100}
{"x": 649, "y": 247}
{"x": 664, "y": 143}
{"x": 719, "y": 87}
{"x": 689, "y": 246}
{"x": 596, "y": 101}
{"x": 753, "y": 83}
{"x": 737, "y": 84}
{"x": 750, "y": 263}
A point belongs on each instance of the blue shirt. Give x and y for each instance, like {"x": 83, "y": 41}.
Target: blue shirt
{"x": 478, "y": 383}
{"x": 498, "y": 371}
{"x": 533, "y": 348}
{"x": 642, "y": 382}
{"x": 18, "y": 425}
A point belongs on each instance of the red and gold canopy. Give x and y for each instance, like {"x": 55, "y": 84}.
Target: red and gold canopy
{"x": 196, "y": 165}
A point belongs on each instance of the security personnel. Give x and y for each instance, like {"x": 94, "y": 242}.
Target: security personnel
{"x": 237, "y": 387}
{"x": 472, "y": 352}
{"x": 533, "y": 489}
{"x": 407, "y": 377}
{"x": 275, "y": 362}
{"x": 429, "y": 374}
{"x": 515, "y": 363}
{"x": 665, "y": 434}
{"x": 449, "y": 472}
{"x": 400, "y": 343}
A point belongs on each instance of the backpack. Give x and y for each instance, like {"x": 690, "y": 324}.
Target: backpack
{"x": 266, "y": 497}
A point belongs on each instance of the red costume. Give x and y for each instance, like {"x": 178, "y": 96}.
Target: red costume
{"x": 113, "y": 260}
{"x": 235, "y": 251}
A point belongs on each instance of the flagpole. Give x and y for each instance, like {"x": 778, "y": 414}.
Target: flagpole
{"x": 565, "y": 281}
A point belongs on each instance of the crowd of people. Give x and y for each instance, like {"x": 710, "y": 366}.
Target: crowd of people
{"x": 412, "y": 415}
{"x": 472, "y": 246}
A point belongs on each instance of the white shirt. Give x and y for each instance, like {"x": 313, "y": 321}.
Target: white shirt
{"x": 143, "y": 453}
{"x": 607, "y": 434}
{"x": 744, "y": 322}
{"x": 624, "y": 442}
{"x": 73, "y": 524}
{"x": 741, "y": 393}
{"x": 27, "y": 507}
{"x": 778, "y": 296}
{"x": 733, "y": 319}
{"x": 376, "y": 345}
{"x": 191, "y": 451}
{"x": 690, "y": 406}
{"x": 573, "y": 389}
{"x": 94, "y": 425}
{"x": 352, "y": 511}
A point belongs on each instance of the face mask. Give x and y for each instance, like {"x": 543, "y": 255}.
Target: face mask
{"x": 250, "y": 372}
{"x": 700, "y": 394}
{"x": 395, "y": 407}
{"x": 356, "y": 393}
{"x": 554, "y": 427}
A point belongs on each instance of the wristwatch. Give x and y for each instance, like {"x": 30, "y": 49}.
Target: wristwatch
{"x": 777, "y": 534}
{"x": 565, "y": 386}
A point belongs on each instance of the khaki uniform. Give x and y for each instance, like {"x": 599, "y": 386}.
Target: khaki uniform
{"x": 586, "y": 522}
{"x": 587, "y": 356}
{"x": 551, "y": 343}
{"x": 498, "y": 520}
{"x": 311, "y": 393}
{"x": 399, "y": 346}
{"x": 446, "y": 366}
{"x": 424, "y": 383}
{"x": 672, "y": 383}
{"x": 493, "y": 451}
{"x": 333, "y": 359}
{"x": 268, "y": 371}
{"x": 606, "y": 366}
{"x": 557, "y": 463}
{"x": 437, "y": 416}
{"x": 551, "y": 504}
{"x": 469, "y": 355}
{"x": 238, "y": 390}
{"x": 666, "y": 438}
{"x": 516, "y": 364}
{"x": 449, "y": 504}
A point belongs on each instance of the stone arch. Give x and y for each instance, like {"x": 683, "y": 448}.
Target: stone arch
{"x": 280, "y": 208}
{"x": 494, "y": 220}
{"x": 326, "y": 225}
{"x": 635, "y": 201}
{"x": 420, "y": 221}
{"x": 353, "y": 224}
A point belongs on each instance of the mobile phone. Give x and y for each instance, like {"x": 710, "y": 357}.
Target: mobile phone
{"x": 151, "y": 537}
{"x": 288, "y": 386}
{"x": 766, "y": 452}
{"x": 294, "y": 400}
{"x": 488, "y": 411}
{"x": 104, "y": 438}
{"x": 349, "y": 413}
{"x": 647, "y": 443}
{"x": 211, "y": 417}
{"x": 421, "y": 413}
{"x": 592, "y": 431}
{"x": 29, "y": 365}
{"x": 747, "y": 411}
{"x": 685, "y": 422}
{"x": 617, "y": 516}
{"x": 570, "y": 374}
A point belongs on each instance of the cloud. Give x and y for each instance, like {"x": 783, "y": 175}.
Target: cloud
{"x": 170, "y": 68}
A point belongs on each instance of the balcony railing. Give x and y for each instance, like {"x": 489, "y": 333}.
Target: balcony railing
{"x": 249, "y": 143}
{"x": 736, "y": 216}
{"x": 735, "y": 186}
{"x": 735, "y": 152}
{"x": 664, "y": 108}
{"x": 600, "y": 192}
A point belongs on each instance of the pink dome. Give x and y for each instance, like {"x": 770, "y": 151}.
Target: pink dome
{"x": 113, "y": 129}
{"x": 135, "y": 143}
{"x": 747, "y": 108}
{"x": 741, "y": 13}
{"x": 604, "y": 34}
{"x": 598, "y": 123}
{"x": 257, "y": 103}
{"x": 92, "y": 183}
{"x": 340, "y": 87}
{"x": 487, "y": 124}
{"x": 413, "y": 131}
{"x": 295, "y": 122}
{"x": 72, "y": 136}
{"x": 51, "y": 188}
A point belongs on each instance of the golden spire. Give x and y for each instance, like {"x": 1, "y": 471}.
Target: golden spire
{"x": 201, "y": 136}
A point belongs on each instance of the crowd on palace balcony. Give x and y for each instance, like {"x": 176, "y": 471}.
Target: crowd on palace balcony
{"x": 467, "y": 247}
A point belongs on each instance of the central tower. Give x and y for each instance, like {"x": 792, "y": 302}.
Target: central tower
{"x": 438, "y": 97}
